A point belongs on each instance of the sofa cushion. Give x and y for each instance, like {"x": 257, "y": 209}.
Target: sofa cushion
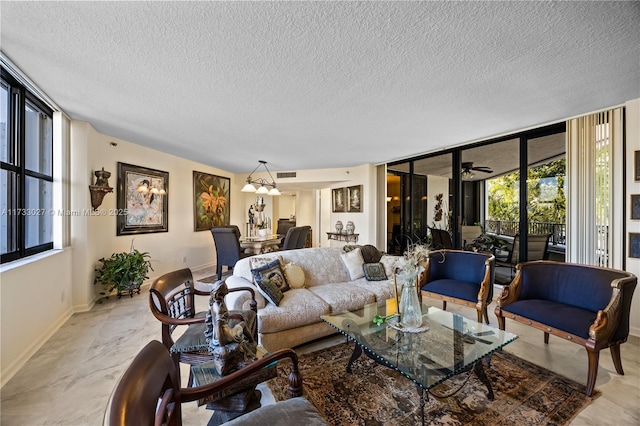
{"x": 193, "y": 338}
{"x": 294, "y": 275}
{"x": 298, "y": 307}
{"x": 374, "y": 271}
{"x": 294, "y": 411}
{"x": 353, "y": 262}
{"x": 454, "y": 288}
{"x": 344, "y": 296}
{"x": 321, "y": 265}
{"x": 382, "y": 290}
{"x": 575, "y": 285}
{"x": 389, "y": 262}
{"x": 561, "y": 316}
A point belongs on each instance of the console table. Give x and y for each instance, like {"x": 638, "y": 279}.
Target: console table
{"x": 350, "y": 238}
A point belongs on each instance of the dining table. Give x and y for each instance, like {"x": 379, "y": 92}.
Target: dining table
{"x": 258, "y": 244}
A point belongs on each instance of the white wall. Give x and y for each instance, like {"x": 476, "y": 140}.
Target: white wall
{"x": 632, "y": 187}
{"x": 167, "y": 249}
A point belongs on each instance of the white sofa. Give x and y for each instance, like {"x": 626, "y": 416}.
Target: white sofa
{"x": 328, "y": 289}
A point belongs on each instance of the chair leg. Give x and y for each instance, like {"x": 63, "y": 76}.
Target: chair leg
{"x": 546, "y": 338}
{"x": 444, "y": 305}
{"x": 594, "y": 357}
{"x": 486, "y": 315}
{"x": 617, "y": 362}
{"x": 219, "y": 271}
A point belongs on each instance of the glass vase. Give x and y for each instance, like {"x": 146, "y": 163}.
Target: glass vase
{"x": 410, "y": 309}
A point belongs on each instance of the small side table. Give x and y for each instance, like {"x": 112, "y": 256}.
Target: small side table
{"x": 236, "y": 400}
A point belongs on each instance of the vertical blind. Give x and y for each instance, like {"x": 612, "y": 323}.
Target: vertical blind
{"x": 594, "y": 159}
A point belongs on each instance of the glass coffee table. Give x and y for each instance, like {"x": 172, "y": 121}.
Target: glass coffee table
{"x": 445, "y": 345}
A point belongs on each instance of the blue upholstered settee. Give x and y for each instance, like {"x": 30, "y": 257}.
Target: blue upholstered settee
{"x": 461, "y": 277}
{"x": 587, "y": 305}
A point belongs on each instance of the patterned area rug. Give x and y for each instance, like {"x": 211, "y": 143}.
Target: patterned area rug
{"x": 377, "y": 395}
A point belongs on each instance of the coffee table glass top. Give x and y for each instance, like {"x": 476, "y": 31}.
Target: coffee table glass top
{"x": 452, "y": 344}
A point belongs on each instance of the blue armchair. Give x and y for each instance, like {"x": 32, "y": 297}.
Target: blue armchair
{"x": 584, "y": 304}
{"x": 461, "y": 277}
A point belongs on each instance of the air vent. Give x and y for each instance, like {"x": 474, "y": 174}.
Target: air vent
{"x": 286, "y": 175}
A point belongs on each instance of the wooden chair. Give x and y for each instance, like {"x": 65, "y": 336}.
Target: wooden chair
{"x": 149, "y": 391}
{"x": 461, "y": 277}
{"x": 228, "y": 251}
{"x": 172, "y": 302}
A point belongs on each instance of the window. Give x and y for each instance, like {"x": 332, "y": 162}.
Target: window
{"x": 26, "y": 173}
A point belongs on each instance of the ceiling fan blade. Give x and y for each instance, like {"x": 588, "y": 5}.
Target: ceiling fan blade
{"x": 482, "y": 169}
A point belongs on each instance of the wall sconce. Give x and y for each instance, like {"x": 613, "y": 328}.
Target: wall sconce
{"x": 99, "y": 189}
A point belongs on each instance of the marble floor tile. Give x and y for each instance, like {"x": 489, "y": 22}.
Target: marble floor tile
{"x": 69, "y": 380}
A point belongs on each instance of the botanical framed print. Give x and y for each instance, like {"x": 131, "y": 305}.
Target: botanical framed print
{"x": 635, "y": 206}
{"x": 338, "y": 200}
{"x": 354, "y": 198}
{"x": 211, "y": 201}
{"x": 634, "y": 245}
{"x": 143, "y": 200}
{"x": 636, "y": 169}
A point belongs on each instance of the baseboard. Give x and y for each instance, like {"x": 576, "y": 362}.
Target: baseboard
{"x": 11, "y": 371}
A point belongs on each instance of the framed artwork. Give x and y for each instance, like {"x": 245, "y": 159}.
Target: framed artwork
{"x": 143, "y": 200}
{"x": 636, "y": 168}
{"x": 211, "y": 201}
{"x": 634, "y": 245}
{"x": 338, "y": 200}
{"x": 354, "y": 198}
{"x": 635, "y": 206}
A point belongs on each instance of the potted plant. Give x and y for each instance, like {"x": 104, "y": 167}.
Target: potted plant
{"x": 262, "y": 228}
{"x": 123, "y": 272}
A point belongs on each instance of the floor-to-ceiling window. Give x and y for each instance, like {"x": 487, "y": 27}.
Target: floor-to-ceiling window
{"x": 480, "y": 185}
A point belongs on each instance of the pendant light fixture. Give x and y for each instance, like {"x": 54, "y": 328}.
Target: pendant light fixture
{"x": 263, "y": 183}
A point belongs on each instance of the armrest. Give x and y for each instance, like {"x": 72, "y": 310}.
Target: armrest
{"x": 486, "y": 286}
{"x": 242, "y": 299}
{"x": 511, "y": 293}
{"x": 295, "y": 378}
{"x": 608, "y": 319}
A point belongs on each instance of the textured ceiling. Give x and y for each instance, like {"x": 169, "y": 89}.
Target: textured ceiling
{"x": 308, "y": 85}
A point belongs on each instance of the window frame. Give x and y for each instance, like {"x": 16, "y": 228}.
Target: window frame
{"x": 16, "y": 163}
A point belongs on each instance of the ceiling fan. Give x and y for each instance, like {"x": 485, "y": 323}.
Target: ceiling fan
{"x": 467, "y": 170}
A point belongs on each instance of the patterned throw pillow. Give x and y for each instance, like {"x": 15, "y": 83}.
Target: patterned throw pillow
{"x": 353, "y": 261}
{"x": 389, "y": 263}
{"x": 374, "y": 271}
{"x": 271, "y": 281}
{"x": 294, "y": 275}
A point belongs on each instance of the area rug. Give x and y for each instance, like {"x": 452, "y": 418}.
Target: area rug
{"x": 525, "y": 394}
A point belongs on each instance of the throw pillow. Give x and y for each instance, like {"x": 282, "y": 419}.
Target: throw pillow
{"x": 294, "y": 275}
{"x": 271, "y": 281}
{"x": 257, "y": 262}
{"x": 389, "y": 262}
{"x": 353, "y": 261}
{"x": 374, "y": 271}
{"x": 370, "y": 253}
